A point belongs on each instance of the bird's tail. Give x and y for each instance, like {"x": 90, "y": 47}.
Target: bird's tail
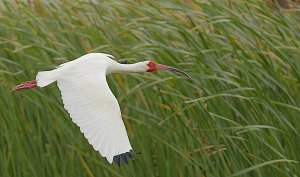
{"x": 44, "y": 78}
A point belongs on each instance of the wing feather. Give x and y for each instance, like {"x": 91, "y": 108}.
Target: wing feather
{"x": 93, "y": 107}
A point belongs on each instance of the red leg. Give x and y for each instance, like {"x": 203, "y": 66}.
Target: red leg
{"x": 24, "y": 86}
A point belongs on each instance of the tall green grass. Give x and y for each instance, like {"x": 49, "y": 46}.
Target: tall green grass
{"x": 238, "y": 117}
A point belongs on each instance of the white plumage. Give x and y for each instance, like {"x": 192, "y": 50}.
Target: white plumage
{"x": 89, "y": 101}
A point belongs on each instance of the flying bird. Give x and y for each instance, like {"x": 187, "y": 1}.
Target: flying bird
{"x": 89, "y": 101}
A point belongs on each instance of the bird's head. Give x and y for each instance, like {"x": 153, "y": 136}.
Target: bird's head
{"x": 145, "y": 66}
{"x": 153, "y": 66}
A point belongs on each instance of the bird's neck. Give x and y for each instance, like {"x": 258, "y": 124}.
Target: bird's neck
{"x": 125, "y": 68}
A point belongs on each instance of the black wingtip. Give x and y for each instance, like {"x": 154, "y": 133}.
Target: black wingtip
{"x": 124, "y": 157}
{"x": 128, "y": 155}
{"x": 117, "y": 160}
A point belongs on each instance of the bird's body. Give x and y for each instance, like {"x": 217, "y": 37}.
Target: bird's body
{"x": 90, "y": 63}
{"x": 89, "y": 101}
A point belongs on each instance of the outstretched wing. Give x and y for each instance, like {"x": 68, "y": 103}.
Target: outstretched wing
{"x": 93, "y": 107}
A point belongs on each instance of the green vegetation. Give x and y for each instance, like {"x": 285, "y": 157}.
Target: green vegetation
{"x": 239, "y": 117}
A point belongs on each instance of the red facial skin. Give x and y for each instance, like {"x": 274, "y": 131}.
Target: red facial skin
{"x": 155, "y": 66}
{"x": 152, "y": 66}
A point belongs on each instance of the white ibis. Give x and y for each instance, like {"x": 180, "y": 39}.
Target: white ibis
{"x": 89, "y": 101}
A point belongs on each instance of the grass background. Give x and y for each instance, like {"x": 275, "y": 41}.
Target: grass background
{"x": 239, "y": 117}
